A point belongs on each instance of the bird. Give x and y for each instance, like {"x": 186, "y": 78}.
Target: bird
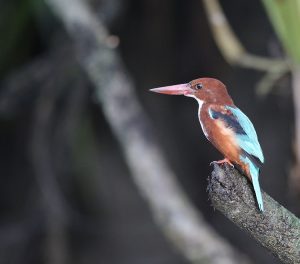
{"x": 228, "y": 129}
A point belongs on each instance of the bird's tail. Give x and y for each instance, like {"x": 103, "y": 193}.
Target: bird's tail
{"x": 254, "y": 171}
{"x": 254, "y": 175}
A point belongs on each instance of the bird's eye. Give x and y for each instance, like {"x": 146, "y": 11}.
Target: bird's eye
{"x": 199, "y": 86}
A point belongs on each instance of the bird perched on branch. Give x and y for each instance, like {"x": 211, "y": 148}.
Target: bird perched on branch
{"x": 225, "y": 126}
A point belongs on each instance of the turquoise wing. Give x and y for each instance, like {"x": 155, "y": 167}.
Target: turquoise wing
{"x": 249, "y": 143}
{"x": 248, "y": 140}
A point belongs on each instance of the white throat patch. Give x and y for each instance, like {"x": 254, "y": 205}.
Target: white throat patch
{"x": 200, "y": 102}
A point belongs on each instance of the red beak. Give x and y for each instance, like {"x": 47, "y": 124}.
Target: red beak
{"x": 179, "y": 89}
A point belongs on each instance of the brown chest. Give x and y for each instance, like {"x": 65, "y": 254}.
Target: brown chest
{"x": 222, "y": 137}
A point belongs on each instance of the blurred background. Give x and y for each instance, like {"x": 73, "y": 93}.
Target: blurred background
{"x": 65, "y": 181}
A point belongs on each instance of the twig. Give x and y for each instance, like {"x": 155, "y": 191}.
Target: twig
{"x": 266, "y": 83}
{"x": 234, "y": 52}
{"x": 179, "y": 220}
{"x": 276, "y": 228}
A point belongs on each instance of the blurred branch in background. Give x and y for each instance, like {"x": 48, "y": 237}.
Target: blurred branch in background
{"x": 109, "y": 11}
{"x": 55, "y": 206}
{"x": 276, "y": 228}
{"x": 234, "y": 52}
{"x": 285, "y": 18}
{"x": 47, "y": 129}
{"x": 179, "y": 220}
{"x": 44, "y": 83}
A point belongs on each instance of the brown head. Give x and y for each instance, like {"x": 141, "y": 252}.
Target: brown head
{"x": 208, "y": 90}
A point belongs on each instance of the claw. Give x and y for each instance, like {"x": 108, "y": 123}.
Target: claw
{"x": 222, "y": 162}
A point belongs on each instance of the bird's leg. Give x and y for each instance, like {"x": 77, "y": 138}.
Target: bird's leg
{"x": 225, "y": 160}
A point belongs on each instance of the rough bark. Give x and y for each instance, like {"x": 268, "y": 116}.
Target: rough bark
{"x": 276, "y": 228}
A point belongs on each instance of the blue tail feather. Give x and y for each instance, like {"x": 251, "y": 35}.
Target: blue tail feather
{"x": 257, "y": 191}
{"x": 254, "y": 171}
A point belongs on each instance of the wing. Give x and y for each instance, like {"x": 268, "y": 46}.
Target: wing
{"x": 246, "y": 135}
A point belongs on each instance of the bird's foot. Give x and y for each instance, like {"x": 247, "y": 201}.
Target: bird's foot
{"x": 222, "y": 162}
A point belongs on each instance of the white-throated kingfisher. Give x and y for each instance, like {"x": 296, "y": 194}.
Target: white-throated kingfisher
{"x": 225, "y": 126}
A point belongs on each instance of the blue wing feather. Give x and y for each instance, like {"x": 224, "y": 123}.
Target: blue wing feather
{"x": 247, "y": 141}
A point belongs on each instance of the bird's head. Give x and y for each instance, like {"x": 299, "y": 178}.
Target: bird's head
{"x": 207, "y": 90}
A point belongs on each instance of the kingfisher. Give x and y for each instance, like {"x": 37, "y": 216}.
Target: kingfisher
{"x": 225, "y": 126}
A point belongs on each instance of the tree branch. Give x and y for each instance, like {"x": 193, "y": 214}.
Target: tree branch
{"x": 276, "y": 228}
{"x": 52, "y": 198}
{"x": 178, "y": 219}
{"x": 56, "y": 208}
{"x": 234, "y": 52}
